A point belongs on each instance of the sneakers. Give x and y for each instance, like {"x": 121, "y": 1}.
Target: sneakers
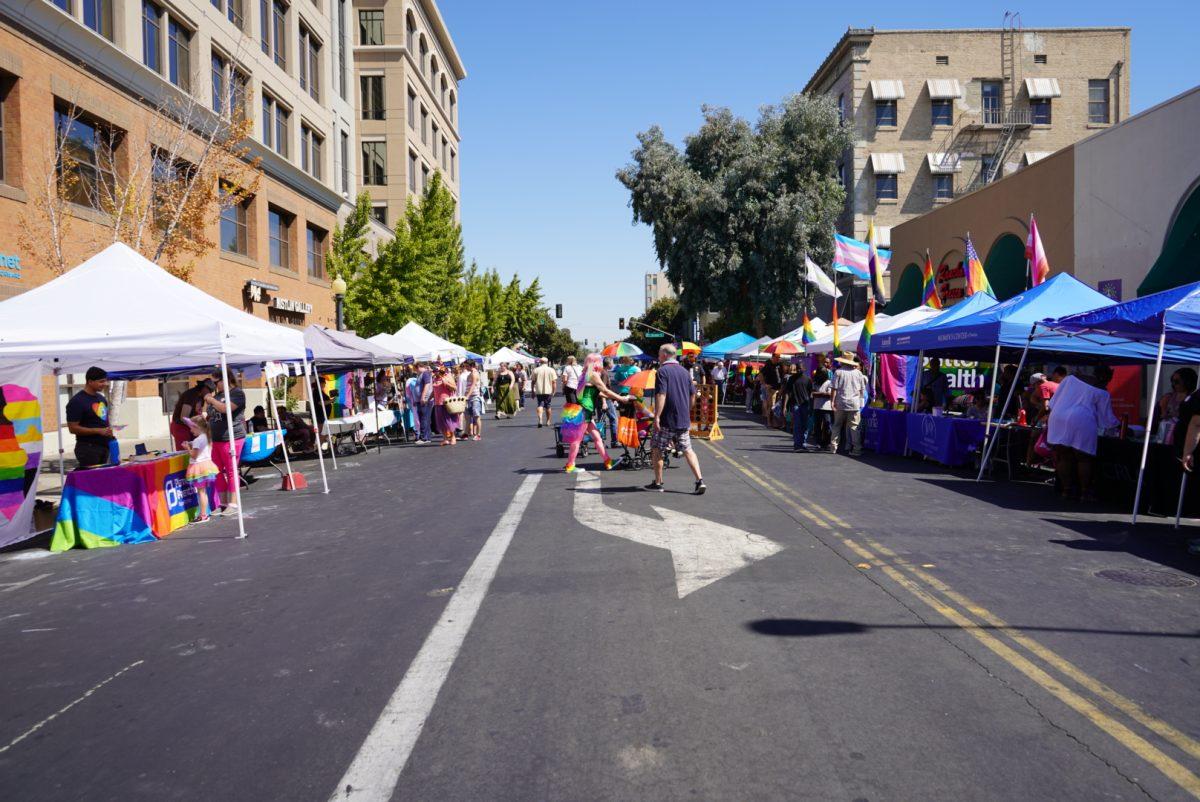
{"x": 570, "y": 469}
{"x": 654, "y": 487}
{"x": 700, "y": 487}
{"x": 203, "y": 520}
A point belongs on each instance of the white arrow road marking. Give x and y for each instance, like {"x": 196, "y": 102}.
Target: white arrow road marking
{"x": 703, "y": 551}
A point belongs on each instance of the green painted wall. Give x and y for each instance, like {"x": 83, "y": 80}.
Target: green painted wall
{"x": 1005, "y": 267}
{"x": 908, "y": 291}
{"x": 1179, "y": 262}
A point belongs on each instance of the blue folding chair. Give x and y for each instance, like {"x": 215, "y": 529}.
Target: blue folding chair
{"x": 259, "y": 449}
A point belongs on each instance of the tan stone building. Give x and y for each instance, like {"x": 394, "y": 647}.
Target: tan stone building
{"x": 657, "y": 288}
{"x": 407, "y": 72}
{"x": 937, "y": 114}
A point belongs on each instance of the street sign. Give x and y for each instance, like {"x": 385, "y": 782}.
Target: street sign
{"x": 655, "y": 335}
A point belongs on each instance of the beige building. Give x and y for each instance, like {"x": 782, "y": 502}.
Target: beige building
{"x": 937, "y": 114}
{"x": 1119, "y": 210}
{"x": 657, "y": 288}
{"x": 407, "y": 74}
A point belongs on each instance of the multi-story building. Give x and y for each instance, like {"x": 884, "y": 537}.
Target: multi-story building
{"x": 657, "y": 288}
{"x": 939, "y": 113}
{"x": 408, "y": 72}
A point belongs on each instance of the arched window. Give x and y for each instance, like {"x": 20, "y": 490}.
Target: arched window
{"x": 453, "y": 108}
{"x": 423, "y": 54}
{"x": 1005, "y": 266}
{"x": 445, "y": 86}
{"x": 410, "y": 31}
{"x": 433, "y": 75}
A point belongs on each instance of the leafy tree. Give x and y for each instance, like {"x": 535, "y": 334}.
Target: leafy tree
{"x": 735, "y": 212}
{"x": 663, "y": 314}
{"x": 347, "y": 254}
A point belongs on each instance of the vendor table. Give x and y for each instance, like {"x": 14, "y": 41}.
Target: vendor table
{"x": 949, "y": 440}
{"x": 884, "y": 430}
{"x": 129, "y": 503}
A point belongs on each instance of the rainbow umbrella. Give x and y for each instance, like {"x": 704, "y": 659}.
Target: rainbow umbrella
{"x": 642, "y": 380}
{"x": 783, "y": 348}
{"x": 689, "y": 349}
{"x": 621, "y": 348}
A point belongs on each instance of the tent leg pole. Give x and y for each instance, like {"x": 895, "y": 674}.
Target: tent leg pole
{"x": 920, "y": 373}
{"x": 987, "y": 454}
{"x": 320, "y": 456}
{"x": 375, "y": 406}
{"x": 1137, "y": 496}
{"x": 987, "y": 429}
{"x": 62, "y": 454}
{"x": 233, "y": 455}
{"x": 325, "y": 412}
{"x": 1179, "y": 506}
{"x": 287, "y": 462}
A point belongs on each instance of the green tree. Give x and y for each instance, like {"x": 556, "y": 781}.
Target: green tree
{"x": 663, "y": 314}
{"x": 347, "y": 254}
{"x": 735, "y": 212}
{"x": 438, "y": 254}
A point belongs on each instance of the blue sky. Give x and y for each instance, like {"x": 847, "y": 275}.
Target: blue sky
{"x": 557, "y": 91}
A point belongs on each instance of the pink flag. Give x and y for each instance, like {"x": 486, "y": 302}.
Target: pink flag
{"x": 1035, "y": 255}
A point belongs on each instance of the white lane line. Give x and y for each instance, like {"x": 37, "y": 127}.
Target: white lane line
{"x": 375, "y": 770}
{"x": 9, "y": 587}
{"x": 53, "y": 716}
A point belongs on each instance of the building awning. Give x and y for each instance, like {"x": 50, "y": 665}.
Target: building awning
{"x": 887, "y": 90}
{"x": 944, "y": 88}
{"x": 1041, "y": 88}
{"x": 887, "y": 162}
{"x": 1032, "y": 156}
{"x": 944, "y": 162}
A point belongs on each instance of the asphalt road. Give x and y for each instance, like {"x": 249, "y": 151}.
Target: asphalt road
{"x": 465, "y": 623}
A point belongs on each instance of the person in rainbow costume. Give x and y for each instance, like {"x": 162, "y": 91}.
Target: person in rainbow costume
{"x": 579, "y": 420}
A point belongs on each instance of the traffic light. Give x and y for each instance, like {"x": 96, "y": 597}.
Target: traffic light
{"x": 621, "y": 323}
{"x": 558, "y": 311}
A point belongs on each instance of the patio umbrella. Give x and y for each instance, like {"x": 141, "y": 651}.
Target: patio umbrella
{"x": 783, "y": 348}
{"x": 689, "y": 349}
{"x": 621, "y": 348}
{"x": 642, "y": 380}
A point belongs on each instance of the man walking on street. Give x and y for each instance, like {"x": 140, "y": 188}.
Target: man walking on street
{"x": 849, "y": 392}
{"x": 797, "y": 394}
{"x": 770, "y": 377}
{"x": 673, "y": 417}
{"x": 570, "y": 381}
{"x": 544, "y": 379}
{"x": 425, "y": 404}
{"x": 610, "y": 406}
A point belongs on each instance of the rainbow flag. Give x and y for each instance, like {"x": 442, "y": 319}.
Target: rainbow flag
{"x": 929, "y": 295}
{"x": 864, "y": 336}
{"x": 20, "y": 449}
{"x": 806, "y": 332}
{"x": 977, "y": 280}
{"x": 874, "y": 267}
{"x": 343, "y": 385}
{"x": 1035, "y": 255}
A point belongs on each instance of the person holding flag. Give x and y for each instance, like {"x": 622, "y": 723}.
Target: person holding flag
{"x": 977, "y": 280}
{"x": 929, "y": 295}
{"x": 1035, "y": 255}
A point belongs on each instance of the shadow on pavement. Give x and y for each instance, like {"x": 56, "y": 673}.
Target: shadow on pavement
{"x": 1159, "y": 543}
{"x": 812, "y": 627}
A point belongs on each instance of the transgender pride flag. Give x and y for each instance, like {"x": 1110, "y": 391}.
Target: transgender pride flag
{"x": 854, "y": 257}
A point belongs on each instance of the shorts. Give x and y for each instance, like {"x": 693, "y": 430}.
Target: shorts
{"x": 668, "y": 439}
{"x": 475, "y": 407}
{"x": 543, "y": 401}
{"x": 570, "y": 396}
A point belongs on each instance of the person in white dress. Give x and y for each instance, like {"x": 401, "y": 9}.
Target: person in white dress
{"x": 1079, "y": 411}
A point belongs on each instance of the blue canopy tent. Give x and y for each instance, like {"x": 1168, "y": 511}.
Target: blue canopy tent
{"x": 914, "y": 339}
{"x": 720, "y": 348}
{"x": 1170, "y": 319}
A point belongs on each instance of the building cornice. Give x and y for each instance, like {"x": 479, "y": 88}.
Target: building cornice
{"x": 843, "y": 47}
{"x": 443, "y": 35}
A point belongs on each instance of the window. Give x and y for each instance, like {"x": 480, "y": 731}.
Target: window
{"x": 423, "y": 52}
{"x": 341, "y": 48}
{"x": 1098, "y": 102}
{"x": 942, "y": 112}
{"x": 445, "y": 152}
{"x": 453, "y": 166}
{"x": 279, "y": 32}
{"x": 410, "y": 32}
{"x": 310, "y": 59}
{"x": 842, "y": 108}
{"x": 85, "y": 173}
{"x": 264, "y": 25}
{"x": 433, "y": 75}
{"x": 233, "y": 224}
{"x": 275, "y": 125}
{"x": 453, "y": 107}
{"x": 179, "y": 58}
{"x": 151, "y": 29}
{"x": 370, "y": 87}
{"x": 443, "y": 94}
{"x": 312, "y": 147}
{"x": 412, "y": 109}
{"x": 220, "y": 83}
{"x": 345, "y": 154}
{"x": 228, "y": 88}
{"x": 97, "y": 15}
{"x": 1039, "y": 58}
{"x": 988, "y": 168}
{"x": 316, "y": 251}
{"x": 424, "y": 176}
{"x": 941, "y": 61}
{"x": 279, "y": 231}
{"x": 993, "y": 101}
{"x": 65, "y": 5}
{"x": 5, "y": 88}
{"x": 886, "y": 186}
{"x": 841, "y": 174}
{"x": 370, "y": 27}
{"x": 435, "y": 141}
{"x": 943, "y": 186}
{"x": 885, "y": 113}
{"x": 374, "y": 163}
{"x": 412, "y": 171}
{"x": 379, "y": 212}
{"x": 424, "y": 125}
{"x": 1040, "y": 111}
{"x": 232, "y": 9}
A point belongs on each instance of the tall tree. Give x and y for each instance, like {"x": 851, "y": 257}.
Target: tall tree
{"x": 348, "y": 255}
{"x": 438, "y": 250}
{"x": 735, "y": 212}
{"x": 665, "y": 315}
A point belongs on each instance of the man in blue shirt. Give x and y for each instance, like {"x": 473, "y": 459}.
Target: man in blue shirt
{"x": 673, "y": 391}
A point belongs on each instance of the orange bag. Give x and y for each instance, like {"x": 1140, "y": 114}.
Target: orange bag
{"x": 627, "y": 432}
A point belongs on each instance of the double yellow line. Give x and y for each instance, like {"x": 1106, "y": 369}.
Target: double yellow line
{"x": 1088, "y": 696}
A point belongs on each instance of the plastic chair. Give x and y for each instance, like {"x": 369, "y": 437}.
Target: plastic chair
{"x": 259, "y": 449}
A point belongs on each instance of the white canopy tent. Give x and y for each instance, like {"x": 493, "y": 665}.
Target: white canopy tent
{"x": 750, "y": 350}
{"x": 819, "y": 328}
{"x": 121, "y": 312}
{"x": 431, "y": 348}
{"x": 506, "y": 355}
{"x": 848, "y": 335}
{"x": 397, "y": 345}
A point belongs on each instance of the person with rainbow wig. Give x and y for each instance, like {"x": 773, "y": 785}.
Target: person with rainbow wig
{"x": 579, "y": 420}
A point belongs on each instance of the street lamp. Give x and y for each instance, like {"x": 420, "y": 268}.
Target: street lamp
{"x": 339, "y": 296}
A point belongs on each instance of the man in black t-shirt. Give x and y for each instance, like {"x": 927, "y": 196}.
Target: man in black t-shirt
{"x": 771, "y": 381}
{"x": 87, "y": 419}
{"x": 797, "y": 393}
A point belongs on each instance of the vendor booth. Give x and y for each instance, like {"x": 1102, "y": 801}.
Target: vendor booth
{"x": 506, "y": 356}
{"x": 722, "y": 348}
{"x": 87, "y": 317}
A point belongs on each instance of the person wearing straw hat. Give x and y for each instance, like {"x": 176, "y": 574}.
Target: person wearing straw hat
{"x": 849, "y": 393}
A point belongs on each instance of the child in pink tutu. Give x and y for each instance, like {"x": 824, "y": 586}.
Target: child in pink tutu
{"x": 201, "y": 470}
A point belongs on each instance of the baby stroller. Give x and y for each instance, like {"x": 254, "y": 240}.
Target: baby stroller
{"x": 634, "y": 429}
